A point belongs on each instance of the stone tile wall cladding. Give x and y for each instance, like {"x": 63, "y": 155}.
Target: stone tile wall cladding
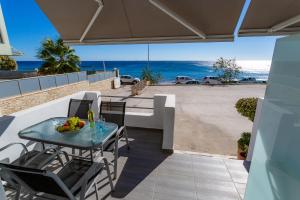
{"x": 21, "y": 102}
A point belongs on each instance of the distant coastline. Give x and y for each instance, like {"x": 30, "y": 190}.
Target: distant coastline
{"x": 168, "y": 69}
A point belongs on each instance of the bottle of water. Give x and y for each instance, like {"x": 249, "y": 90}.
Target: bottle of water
{"x": 91, "y": 118}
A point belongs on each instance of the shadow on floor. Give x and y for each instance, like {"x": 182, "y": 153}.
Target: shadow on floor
{"x": 139, "y": 163}
{"x": 247, "y": 165}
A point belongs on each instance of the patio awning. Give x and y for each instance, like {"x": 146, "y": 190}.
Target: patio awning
{"x": 271, "y": 17}
{"x": 143, "y": 21}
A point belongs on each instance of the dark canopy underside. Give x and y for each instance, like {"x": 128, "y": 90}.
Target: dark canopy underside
{"x": 140, "y": 21}
{"x": 265, "y": 15}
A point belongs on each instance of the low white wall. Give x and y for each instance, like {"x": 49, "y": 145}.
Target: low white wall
{"x": 163, "y": 118}
{"x": 254, "y": 128}
{"x": 169, "y": 123}
{"x": 12, "y": 124}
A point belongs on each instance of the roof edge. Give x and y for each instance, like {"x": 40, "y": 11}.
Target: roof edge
{"x": 185, "y": 39}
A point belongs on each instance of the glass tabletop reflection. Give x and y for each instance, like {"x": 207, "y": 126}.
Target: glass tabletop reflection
{"x": 86, "y": 138}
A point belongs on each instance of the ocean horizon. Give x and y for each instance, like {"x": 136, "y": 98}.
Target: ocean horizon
{"x": 167, "y": 69}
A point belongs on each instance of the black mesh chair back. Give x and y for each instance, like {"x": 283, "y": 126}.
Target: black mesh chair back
{"x": 79, "y": 108}
{"x": 33, "y": 179}
{"x": 113, "y": 112}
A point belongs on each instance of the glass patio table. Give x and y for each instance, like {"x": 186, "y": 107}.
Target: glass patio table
{"x": 87, "y": 138}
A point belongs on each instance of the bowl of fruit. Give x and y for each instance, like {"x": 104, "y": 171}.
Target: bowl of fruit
{"x": 72, "y": 125}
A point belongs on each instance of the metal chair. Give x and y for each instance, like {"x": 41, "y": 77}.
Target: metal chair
{"x": 33, "y": 159}
{"x": 36, "y": 159}
{"x": 79, "y": 108}
{"x": 114, "y": 112}
{"x": 74, "y": 180}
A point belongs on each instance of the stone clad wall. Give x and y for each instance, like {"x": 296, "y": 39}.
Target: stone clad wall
{"x": 14, "y": 104}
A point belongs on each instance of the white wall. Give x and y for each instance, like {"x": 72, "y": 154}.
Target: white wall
{"x": 163, "y": 118}
{"x": 12, "y": 124}
{"x": 169, "y": 123}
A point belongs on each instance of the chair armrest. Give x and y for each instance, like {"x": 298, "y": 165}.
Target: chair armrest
{"x": 12, "y": 144}
{"x": 120, "y": 130}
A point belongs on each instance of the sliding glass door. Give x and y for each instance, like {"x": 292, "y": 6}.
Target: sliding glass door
{"x": 275, "y": 168}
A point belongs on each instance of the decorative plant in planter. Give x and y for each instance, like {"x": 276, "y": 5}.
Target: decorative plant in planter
{"x": 247, "y": 108}
{"x": 150, "y": 76}
{"x": 243, "y": 145}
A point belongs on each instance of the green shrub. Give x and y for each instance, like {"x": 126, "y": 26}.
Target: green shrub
{"x": 149, "y": 75}
{"x": 247, "y": 107}
{"x": 7, "y": 63}
{"x": 244, "y": 142}
{"x": 227, "y": 69}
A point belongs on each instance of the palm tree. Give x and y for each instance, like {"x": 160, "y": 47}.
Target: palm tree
{"x": 58, "y": 58}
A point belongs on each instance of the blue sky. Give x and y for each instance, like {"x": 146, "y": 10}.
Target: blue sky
{"x": 27, "y": 26}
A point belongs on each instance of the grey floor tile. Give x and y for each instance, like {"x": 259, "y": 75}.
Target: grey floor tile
{"x": 239, "y": 177}
{"x": 215, "y": 189}
{"x": 180, "y": 156}
{"x": 211, "y": 184}
{"x": 212, "y": 173}
{"x": 175, "y": 170}
{"x": 134, "y": 195}
{"x": 176, "y": 180}
{"x": 241, "y": 189}
{"x": 216, "y": 195}
{"x": 173, "y": 196}
{"x": 177, "y": 191}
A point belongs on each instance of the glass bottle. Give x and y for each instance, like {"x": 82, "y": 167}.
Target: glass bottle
{"x": 91, "y": 118}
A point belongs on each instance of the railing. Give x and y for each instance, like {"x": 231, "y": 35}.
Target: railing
{"x": 9, "y": 88}
{"x": 124, "y": 98}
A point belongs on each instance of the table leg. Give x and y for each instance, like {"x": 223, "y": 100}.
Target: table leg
{"x": 92, "y": 156}
{"x": 43, "y": 146}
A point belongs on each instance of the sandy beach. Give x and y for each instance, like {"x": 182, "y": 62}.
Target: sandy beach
{"x": 206, "y": 119}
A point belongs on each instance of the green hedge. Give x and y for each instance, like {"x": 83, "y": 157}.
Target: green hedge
{"x": 247, "y": 107}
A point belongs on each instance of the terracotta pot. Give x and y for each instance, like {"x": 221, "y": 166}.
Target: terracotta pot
{"x": 240, "y": 154}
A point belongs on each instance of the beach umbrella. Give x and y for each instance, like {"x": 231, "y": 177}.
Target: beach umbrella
{"x": 143, "y": 21}
{"x": 271, "y": 17}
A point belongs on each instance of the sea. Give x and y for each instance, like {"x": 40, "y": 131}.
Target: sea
{"x": 167, "y": 69}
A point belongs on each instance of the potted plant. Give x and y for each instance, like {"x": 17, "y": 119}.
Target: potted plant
{"x": 150, "y": 77}
{"x": 243, "y": 146}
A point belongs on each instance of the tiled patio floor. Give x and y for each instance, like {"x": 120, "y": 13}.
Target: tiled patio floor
{"x": 146, "y": 173}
